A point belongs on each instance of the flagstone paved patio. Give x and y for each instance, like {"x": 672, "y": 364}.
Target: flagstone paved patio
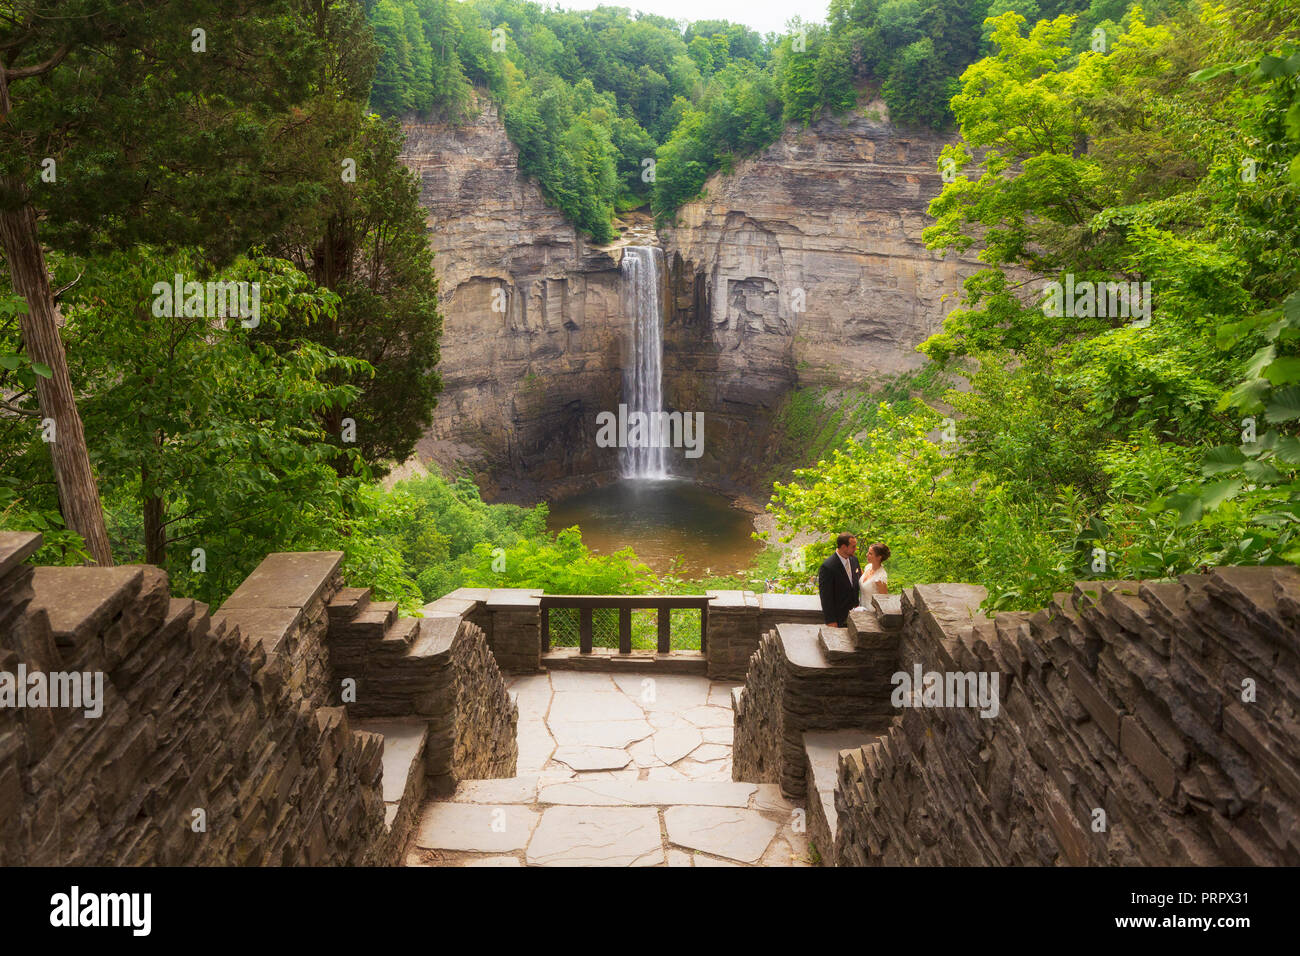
{"x": 615, "y": 770}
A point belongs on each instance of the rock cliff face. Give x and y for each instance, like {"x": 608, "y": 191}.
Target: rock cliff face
{"x": 531, "y": 340}
{"x": 805, "y": 266}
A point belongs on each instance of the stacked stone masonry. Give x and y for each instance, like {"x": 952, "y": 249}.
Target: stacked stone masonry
{"x": 197, "y": 715}
{"x": 230, "y": 714}
{"x": 438, "y": 669}
{"x": 806, "y": 678}
{"x": 1140, "y": 723}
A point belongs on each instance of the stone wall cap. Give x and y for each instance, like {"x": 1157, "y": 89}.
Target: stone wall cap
{"x": 790, "y": 602}
{"x": 16, "y": 547}
{"x": 514, "y": 597}
{"x": 266, "y": 625}
{"x": 729, "y": 599}
{"x": 449, "y": 606}
{"x": 80, "y": 601}
{"x": 286, "y": 579}
{"x": 435, "y": 636}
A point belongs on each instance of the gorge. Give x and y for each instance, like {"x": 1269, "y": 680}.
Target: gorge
{"x": 802, "y": 267}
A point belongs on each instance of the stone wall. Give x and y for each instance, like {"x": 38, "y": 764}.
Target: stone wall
{"x": 282, "y": 604}
{"x": 1140, "y": 723}
{"x": 510, "y": 619}
{"x": 241, "y": 714}
{"x": 437, "y": 670}
{"x": 485, "y": 741}
{"x": 759, "y": 717}
{"x": 806, "y": 678}
{"x": 739, "y": 619}
{"x": 197, "y": 714}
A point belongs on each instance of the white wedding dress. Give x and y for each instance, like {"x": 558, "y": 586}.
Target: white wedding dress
{"x": 867, "y": 584}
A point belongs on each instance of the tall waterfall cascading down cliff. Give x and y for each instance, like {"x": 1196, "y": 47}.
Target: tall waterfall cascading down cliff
{"x": 643, "y": 270}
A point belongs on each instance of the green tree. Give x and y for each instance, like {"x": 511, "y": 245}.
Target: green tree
{"x": 158, "y": 130}
{"x": 372, "y": 250}
{"x": 213, "y": 434}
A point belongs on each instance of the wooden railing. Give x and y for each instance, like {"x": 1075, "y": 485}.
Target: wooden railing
{"x": 626, "y": 604}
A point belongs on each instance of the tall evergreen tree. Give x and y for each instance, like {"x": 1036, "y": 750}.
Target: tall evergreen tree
{"x": 151, "y": 121}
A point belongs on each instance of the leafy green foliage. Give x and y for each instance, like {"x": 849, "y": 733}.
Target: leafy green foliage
{"x": 582, "y": 91}
{"x": 214, "y": 434}
{"x": 1087, "y": 445}
{"x": 369, "y": 247}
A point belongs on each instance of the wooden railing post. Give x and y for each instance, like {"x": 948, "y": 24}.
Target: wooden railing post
{"x": 587, "y": 604}
{"x": 584, "y": 630}
{"x": 625, "y": 630}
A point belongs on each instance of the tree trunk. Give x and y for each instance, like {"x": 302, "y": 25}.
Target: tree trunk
{"x": 78, "y": 493}
{"x": 155, "y": 516}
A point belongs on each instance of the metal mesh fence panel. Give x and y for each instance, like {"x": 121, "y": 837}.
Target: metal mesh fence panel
{"x": 565, "y": 628}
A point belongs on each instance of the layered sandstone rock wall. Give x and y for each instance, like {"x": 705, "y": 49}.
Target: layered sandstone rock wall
{"x": 533, "y": 322}
{"x": 804, "y": 266}
{"x": 1141, "y": 723}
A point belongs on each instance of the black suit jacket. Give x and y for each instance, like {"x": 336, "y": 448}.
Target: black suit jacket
{"x": 838, "y": 595}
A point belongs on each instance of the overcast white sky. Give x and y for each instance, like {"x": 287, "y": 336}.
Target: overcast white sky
{"x": 765, "y": 16}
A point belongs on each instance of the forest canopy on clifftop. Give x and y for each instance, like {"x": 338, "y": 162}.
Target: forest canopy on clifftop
{"x": 593, "y": 98}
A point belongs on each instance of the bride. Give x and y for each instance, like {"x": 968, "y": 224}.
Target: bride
{"x": 876, "y": 579}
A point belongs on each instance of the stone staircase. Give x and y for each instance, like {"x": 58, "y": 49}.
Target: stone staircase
{"x": 823, "y": 749}
{"x": 403, "y": 775}
{"x": 386, "y": 656}
{"x": 409, "y": 680}
{"x": 394, "y": 661}
{"x": 813, "y": 691}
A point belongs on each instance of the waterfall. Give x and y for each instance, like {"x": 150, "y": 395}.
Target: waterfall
{"x": 643, "y": 382}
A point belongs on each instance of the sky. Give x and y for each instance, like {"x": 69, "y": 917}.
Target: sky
{"x": 765, "y": 16}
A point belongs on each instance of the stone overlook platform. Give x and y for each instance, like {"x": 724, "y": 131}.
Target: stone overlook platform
{"x": 624, "y": 769}
{"x": 307, "y": 723}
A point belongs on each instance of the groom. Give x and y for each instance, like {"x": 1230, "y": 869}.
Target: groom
{"x": 837, "y": 581}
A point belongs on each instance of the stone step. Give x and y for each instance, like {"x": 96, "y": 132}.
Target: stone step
{"x": 611, "y": 661}
{"x": 503, "y": 817}
{"x": 802, "y": 647}
{"x": 889, "y": 609}
{"x": 403, "y": 768}
{"x": 371, "y": 622}
{"x": 836, "y": 643}
{"x": 822, "y": 750}
{"x": 399, "y": 638}
{"x": 346, "y": 604}
{"x": 867, "y": 630}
